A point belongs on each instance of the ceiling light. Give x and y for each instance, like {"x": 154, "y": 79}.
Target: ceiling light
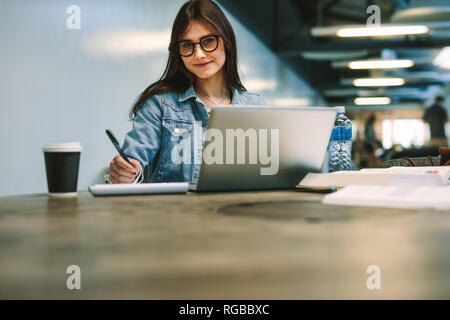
{"x": 381, "y": 31}
{"x": 378, "y": 82}
{"x": 442, "y": 60}
{"x": 380, "y": 64}
{"x": 372, "y": 101}
{"x": 335, "y": 55}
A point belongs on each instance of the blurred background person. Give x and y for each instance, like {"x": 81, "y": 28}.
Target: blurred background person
{"x": 436, "y": 117}
{"x": 370, "y": 142}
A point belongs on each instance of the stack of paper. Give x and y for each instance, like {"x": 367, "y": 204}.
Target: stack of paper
{"x": 432, "y": 176}
{"x": 408, "y": 197}
{"x": 397, "y": 187}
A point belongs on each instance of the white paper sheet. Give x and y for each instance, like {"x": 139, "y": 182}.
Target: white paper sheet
{"x": 408, "y": 197}
{"x": 142, "y": 188}
{"x": 431, "y": 176}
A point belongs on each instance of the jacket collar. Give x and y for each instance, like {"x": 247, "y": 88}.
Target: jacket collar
{"x": 190, "y": 93}
{"x": 236, "y": 99}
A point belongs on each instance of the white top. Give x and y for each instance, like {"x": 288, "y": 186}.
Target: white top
{"x": 340, "y": 109}
{"x": 63, "y": 147}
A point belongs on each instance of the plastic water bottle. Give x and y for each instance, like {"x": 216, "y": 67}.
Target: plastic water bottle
{"x": 340, "y": 147}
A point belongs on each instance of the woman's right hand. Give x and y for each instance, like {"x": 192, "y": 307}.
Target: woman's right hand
{"x": 121, "y": 171}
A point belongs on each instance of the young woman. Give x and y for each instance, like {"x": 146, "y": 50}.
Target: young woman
{"x": 201, "y": 72}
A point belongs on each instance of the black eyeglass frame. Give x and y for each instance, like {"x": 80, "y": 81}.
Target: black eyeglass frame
{"x": 200, "y": 43}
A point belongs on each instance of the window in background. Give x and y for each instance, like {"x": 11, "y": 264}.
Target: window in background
{"x": 406, "y": 132}
{"x": 355, "y": 129}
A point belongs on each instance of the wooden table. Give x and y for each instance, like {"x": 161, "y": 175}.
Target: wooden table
{"x": 245, "y": 245}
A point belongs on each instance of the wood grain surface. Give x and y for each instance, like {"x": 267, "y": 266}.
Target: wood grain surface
{"x": 236, "y": 245}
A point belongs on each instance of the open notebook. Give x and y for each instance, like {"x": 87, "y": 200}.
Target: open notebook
{"x": 396, "y": 187}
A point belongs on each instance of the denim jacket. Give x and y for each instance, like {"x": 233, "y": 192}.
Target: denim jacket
{"x": 168, "y": 133}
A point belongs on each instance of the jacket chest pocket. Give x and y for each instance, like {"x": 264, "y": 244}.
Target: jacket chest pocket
{"x": 176, "y": 129}
{"x": 176, "y": 134}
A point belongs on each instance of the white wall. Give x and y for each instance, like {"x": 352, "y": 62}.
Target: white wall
{"x": 62, "y": 85}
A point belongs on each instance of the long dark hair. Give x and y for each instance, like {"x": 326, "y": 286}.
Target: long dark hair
{"x": 176, "y": 78}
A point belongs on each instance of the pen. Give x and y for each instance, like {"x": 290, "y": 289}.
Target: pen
{"x": 116, "y": 144}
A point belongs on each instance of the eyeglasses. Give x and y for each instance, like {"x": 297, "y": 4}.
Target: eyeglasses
{"x": 207, "y": 43}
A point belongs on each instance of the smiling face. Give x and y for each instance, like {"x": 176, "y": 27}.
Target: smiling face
{"x": 203, "y": 65}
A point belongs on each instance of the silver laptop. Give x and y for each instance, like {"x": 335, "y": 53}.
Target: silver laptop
{"x": 263, "y": 147}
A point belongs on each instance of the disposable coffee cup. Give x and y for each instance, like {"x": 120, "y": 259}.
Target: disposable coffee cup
{"x": 62, "y": 161}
